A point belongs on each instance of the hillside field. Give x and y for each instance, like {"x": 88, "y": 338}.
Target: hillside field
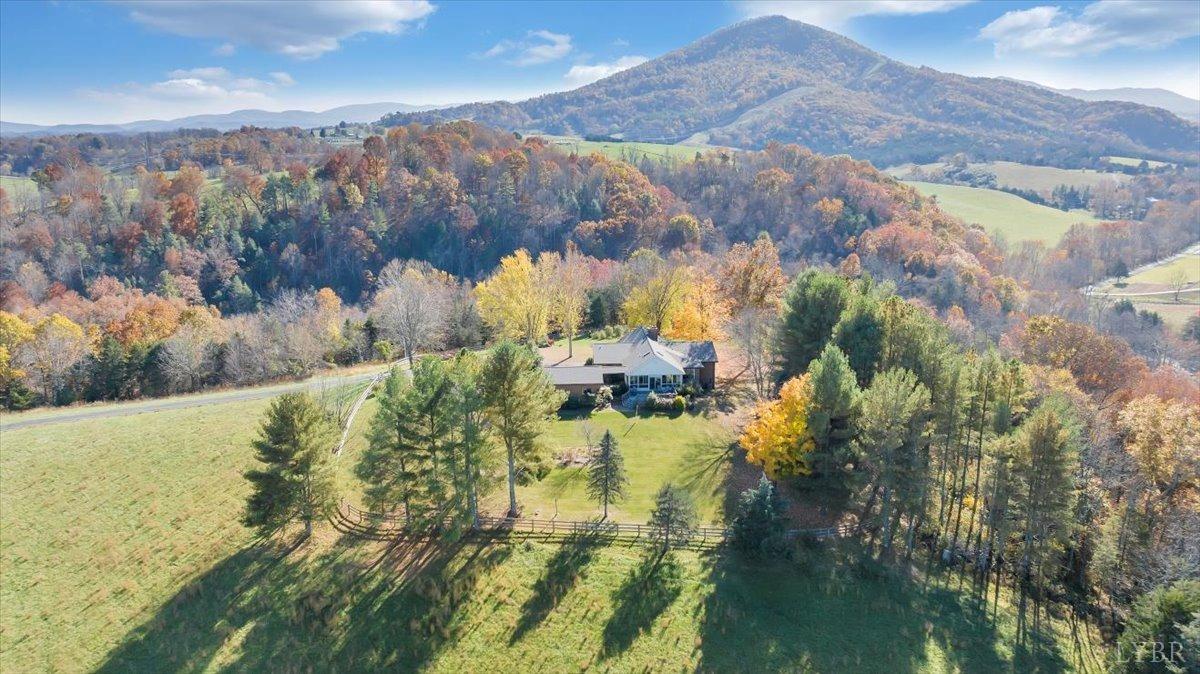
{"x": 631, "y": 151}
{"x": 1134, "y": 161}
{"x": 1013, "y": 217}
{"x": 19, "y": 187}
{"x": 122, "y": 551}
{"x": 1164, "y": 273}
{"x": 1024, "y": 176}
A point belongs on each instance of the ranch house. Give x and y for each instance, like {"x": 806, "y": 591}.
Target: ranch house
{"x": 642, "y": 362}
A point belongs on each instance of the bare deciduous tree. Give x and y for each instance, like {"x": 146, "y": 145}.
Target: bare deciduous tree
{"x": 411, "y": 302}
{"x": 753, "y": 331}
{"x": 186, "y": 358}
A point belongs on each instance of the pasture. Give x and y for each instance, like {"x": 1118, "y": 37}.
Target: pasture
{"x": 122, "y": 551}
{"x": 1187, "y": 265}
{"x": 631, "y": 151}
{"x": 1134, "y": 161}
{"x": 1007, "y": 214}
{"x": 1042, "y": 179}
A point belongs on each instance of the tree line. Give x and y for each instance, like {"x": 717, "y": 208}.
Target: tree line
{"x": 1058, "y": 465}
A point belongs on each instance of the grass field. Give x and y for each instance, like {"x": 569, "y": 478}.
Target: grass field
{"x": 1133, "y": 161}
{"x": 1025, "y": 176}
{"x": 122, "y": 552}
{"x": 1188, "y": 264}
{"x": 1008, "y": 214}
{"x": 628, "y": 151}
{"x": 20, "y": 189}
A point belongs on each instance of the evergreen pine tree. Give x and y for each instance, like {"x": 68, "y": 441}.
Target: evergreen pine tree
{"x": 673, "y": 519}
{"x": 295, "y": 444}
{"x": 812, "y": 307}
{"x": 832, "y": 410}
{"x": 520, "y": 401}
{"x": 607, "y": 480}
{"x": 758, "y": 526}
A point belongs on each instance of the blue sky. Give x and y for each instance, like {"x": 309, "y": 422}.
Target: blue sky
{"x": 98, "y": 62}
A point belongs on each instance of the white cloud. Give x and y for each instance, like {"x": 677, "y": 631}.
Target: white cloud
{"x": 538, "y": 47}
{"x": 225, "y": 49}
{"x": 190, "y": 91}
{"x": 581, "y": 74}
{"x": 835, "y": 15}
{"x": 1051, "y": 31}
{"x": 304, "y": 30}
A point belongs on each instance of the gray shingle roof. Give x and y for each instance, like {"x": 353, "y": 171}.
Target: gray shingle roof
{"x": 695, "y": 354}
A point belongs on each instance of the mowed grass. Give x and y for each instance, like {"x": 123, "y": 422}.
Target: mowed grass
{"x": 1013, "y": 217}
{"x": 102, "y": 520}
{"x": 689, "y": 450}
{"x": 121, "y": 552}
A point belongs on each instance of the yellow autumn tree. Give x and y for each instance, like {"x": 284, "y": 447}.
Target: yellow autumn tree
{"x": 14, "y": 331}
{"x": 329, "y": 308}
{"x": 704, "y": 311}
{"x": 657, "y": 288}
{"x": 516, "y": 299}
{"x": 778, "y": 439}
{"x": 1163, "y": 438}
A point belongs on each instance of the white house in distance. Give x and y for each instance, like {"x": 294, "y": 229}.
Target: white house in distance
{"x": 642, "y": 362}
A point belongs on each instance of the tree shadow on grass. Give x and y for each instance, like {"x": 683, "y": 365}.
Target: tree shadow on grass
{"x": 706, "y": 472}
{"x": 189, "y": 629}
{"x": 349, "y": 607}
{"x": 651, "y": 587}
{"x": 826, "y": 612}
{"x": 561, "y": 574}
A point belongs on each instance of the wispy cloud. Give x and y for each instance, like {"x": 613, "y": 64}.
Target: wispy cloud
{"x": 836, "y": 15}
{"x": 225, "y": 49}
{"x": 582, "y": 74}
{"x": 192, "y": 90}
{"x": 536, "y": 48}
{"x": 304, "y": 30}
{"x": 1052, "y": 31}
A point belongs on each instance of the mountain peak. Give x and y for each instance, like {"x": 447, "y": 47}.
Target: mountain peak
{"x": 775, "y": 79}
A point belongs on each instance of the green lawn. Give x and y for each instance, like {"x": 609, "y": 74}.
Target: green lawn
{"x": 690, "y": 450}
{"x": 1008, "y": 214}
{"x": 101, "y": 521}
{"x": 121, "y": 551}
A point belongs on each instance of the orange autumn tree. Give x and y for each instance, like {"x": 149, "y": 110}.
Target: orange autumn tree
{"x": 778, "y": 439}
{"x": 704, "y": 312}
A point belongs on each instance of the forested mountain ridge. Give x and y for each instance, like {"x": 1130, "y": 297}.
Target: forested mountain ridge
{"x": 773, "y": 79}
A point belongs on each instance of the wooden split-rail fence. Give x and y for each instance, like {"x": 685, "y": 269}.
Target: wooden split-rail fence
{"x": 389, "y": 526}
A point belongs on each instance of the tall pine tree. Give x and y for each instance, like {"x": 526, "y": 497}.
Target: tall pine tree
{"x": 296, "y": 445}
{"x": 607, "y": 480}
{"x": 519, "y": 400}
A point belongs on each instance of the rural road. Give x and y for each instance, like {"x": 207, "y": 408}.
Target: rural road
{"x": 102, "y": 411}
